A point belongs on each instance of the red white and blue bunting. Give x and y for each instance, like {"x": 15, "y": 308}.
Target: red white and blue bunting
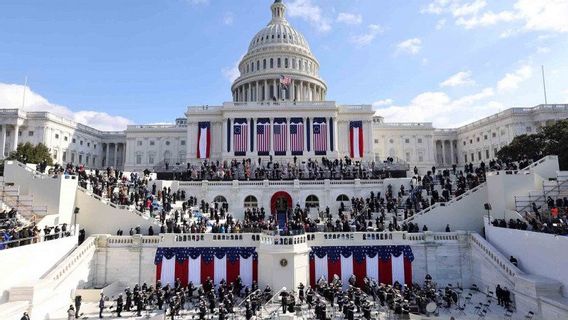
{"x": 199, "y": 264}
{"x": 384, "y": 264}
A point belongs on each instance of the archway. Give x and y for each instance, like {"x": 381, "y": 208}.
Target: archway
{"x": 279, "y": 204}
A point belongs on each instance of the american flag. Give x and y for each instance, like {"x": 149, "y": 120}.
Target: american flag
{"x": 280, "y": 134}
{"x": 240, "y": 137}
{"x": 263, "y": 136}
{"x": 285, "y": 81}
{"x": 320, "y": 136}
{"x": 296, "y": 136}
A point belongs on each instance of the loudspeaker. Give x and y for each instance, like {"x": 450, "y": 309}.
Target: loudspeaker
{"x": 487, "y": 206}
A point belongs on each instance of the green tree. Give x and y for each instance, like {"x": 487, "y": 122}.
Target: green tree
{"x": 552, "y": 140}
{"x": 29, "y": 153}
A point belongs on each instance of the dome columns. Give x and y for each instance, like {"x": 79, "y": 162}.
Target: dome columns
{"x": 270, "y": 89}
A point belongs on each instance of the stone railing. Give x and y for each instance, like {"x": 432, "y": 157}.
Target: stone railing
{"x": 279, "y": 183}
{"x": 111, "y": 204}
{"x": 448, "y": 203}
{"x": 82, "y": 252}
{"x": 494, "y": 255}
{"x": 278, "y": 240}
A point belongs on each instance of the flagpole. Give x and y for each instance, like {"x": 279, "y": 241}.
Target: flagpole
{"x": 544, "y": 85}
{"x": 24, "y": 94}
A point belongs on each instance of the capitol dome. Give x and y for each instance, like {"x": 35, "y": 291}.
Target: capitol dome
{"x": 278, "y": 65}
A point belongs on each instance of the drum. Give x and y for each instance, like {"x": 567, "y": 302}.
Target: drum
{"x": 431, "y": 307}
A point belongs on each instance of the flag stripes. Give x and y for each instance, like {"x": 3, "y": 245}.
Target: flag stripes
{"x": 199, "y": 264}
{"x": 263, "y": 136}
{"x": 356, "y": 139}
{"x": 320, "y": 136}
{"x": 203, "y": 140}
{"x": 297, "y": 136}
{"x": 240, "y": 136}
{"x": 280, "y": 128}
{"x": 384, "y": 264}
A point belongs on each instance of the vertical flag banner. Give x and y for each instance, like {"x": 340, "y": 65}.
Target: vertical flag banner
{"x": 297, "y": 136}
{"x": 356, "y": 139}
{"x": 199, "y": 264}
{"x": 203, "y": 140}
{"x": 331, "y": 134}
{"x": 320, "y": 136}
{"x": 240, "y": 136}
{"x": 280, "y": 128}
{"x": 384, "y": 264}
{"x": 263, "y": 136}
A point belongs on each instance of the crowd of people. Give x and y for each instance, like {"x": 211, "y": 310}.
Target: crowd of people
{"x": 312, "y": 169}
{"x": 16, "y": 231}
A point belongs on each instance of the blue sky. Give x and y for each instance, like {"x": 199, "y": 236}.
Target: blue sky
{"x": 110, "y": 63}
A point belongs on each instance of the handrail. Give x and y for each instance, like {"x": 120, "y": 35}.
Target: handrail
{"x": 71, "y": 260}
{"x": 495, "y": 255}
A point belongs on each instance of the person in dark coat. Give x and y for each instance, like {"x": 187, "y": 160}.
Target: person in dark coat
{"x": 78, "y": 300}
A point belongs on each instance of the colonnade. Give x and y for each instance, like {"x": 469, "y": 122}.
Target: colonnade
{"x": 266, "y": 90}
{"x": 308, "y": 136}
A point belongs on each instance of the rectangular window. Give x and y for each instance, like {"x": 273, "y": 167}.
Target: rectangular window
{"x": 487, "y": 154}
{"x": 464, "y": 143}
{"x": 152, "y": 142}
{"x": 139, "y": 143}
{"x": 477, "y": 139}
{"x": 472, "y": 157}
{"x": 81, "y": 142}
{"x": 64, "y": 156}
{"x": 376, "y": 141}
{"x": 94, "y": 146}
{"x": 495, "y": 152}
{"x": 485, "y": 137}
{"x": 420, "y": 157}
{"x": 55, "y": 154}
{"x": 419, "y": 140}
{"x": 182, "y": 142}
{"x": 470, "y": 141}
{"x": 80, "y": 158}
{"x": 465, "y": 158}
{"x": 65, "y": 138}
{"x": 56, "y": 136}
{"x": 407, "y": 157}
{"x": 138, "y": 159}
{"x": 479, "y": 155}
{"x": 73, "y": 141}
{"x": 72, "y": 158}
{"x": 88, "y": 145}
{"x": 494, "y": 134}
{"x": 30, "y": 133}
{"x": 406, "y": 140}
{"x": 150, "y": 159}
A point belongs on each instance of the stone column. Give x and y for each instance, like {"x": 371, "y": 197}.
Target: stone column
{"x": 3, "y": 142}
{"x": 292, "y": 90}
{"x": 452, "y": 157}
{"x": 16, "y": 136}
{"x": 274, "y": 90}
{"x": 271, "y": 136}
{"x": 265, "y": 90}
{"x": 443, "y": 152}
{"x": 115, "y": 155}
{"x": 107, "y": 154}
{"x": 258, "y": 95}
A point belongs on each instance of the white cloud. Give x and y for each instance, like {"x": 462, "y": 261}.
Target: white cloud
{"x": 373, "y": 30}
{"x": 441, "y": 109}
{"x": 306, "y": 10}
{"x": 468, "y": 8}
{"x": 383, "y": 102}
{"x": 232, "y": 73}
{"x": 228, "y": 18}
{"x": 11, "y": 97}
{"x": 411, "y": 46}
{"x": 544, "y": 15}
{"x": 349, "y": 18}
{"x": 529, "y": 15}
{"x": 462, "y": 78}
{"x": 512, "y": 80}
{"x": 488, "y": 18}
{"x": 440, "y": 24}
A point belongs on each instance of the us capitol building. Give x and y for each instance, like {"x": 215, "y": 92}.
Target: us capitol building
{"x": 280, "y": 109}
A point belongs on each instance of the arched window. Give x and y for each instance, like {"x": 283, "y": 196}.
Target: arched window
{"x": 247, "y": 68}
{"x": 264, "y": 64}
{"x": 167, "y": 156}
{"x": 251, "y": 66}
{"x": 257, "y": 65}
{"x": 286, "y": 63}
{"x": 312, "y": 201}
{"x": 342, "y": 198}
{"x": 250, "y": 202}
{"x": 220, "y": 199}
{"x": 271, "y": 63}
{"x": 279, "y": 63}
